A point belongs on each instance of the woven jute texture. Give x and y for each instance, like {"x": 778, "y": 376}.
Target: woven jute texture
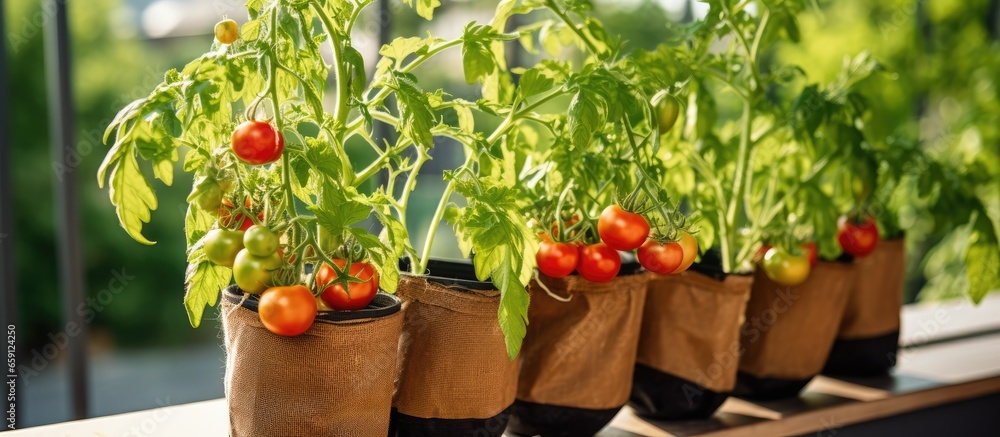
{"x": 788, "y": 331}
{"x": 877, "y": 295}
{"x": 691, "y": 327}
{"x": 453, "y": 361}
{"x": 333, "y": 380}
{"x": 581, "y": 353}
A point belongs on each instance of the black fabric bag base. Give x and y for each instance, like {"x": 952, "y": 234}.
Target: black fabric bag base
{"x": 873, "y": 356}
{"x": 660, "y": 395}
{"x": 402, "y": 425}
{"x": 531, "y": 419}
{"x": 767, "y": 389}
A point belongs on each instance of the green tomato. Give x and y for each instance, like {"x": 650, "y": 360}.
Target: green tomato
{"x": 260, "y": 241}
{"x": 785, "y": 268}
{"x": 667, "y": 109}
{"x": 254, "y": 274}
{"x": 207, "y": 193}
{"x": 222, "y": 245}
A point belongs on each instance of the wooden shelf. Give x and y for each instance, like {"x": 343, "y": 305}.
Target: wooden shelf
{"x": 951, "y": 353}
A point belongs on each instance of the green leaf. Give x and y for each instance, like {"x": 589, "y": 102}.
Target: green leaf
{"x": 983, "y": 268}
{"x": 400, "y": 48}
{"x": 492, "y": 225}
{"x": 322, "y": 158}
{"x": 425, "y": 8}
{"x": 340, "y": 207}
{"x": 197, "y": 222}
{"x": 204, "y": 281}
{"x": 358, "y": 79}
{"x": 506, "y": 9}
{"x": 288, "y": 22}
{"x": 415, "y": 110}
{"x": 479, "y": 57}
{"x": 250, "y": 31}
{"x": 131, "y": 195}
{"x": 513, "y": 312}
{"x": 533, "y": 82}
{"x": 584, "y": 118}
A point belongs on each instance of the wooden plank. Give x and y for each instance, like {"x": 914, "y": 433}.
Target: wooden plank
{"x": 927, "y": 376}
{"x": 207, "y": 418}
{"x": 832, "y": 418}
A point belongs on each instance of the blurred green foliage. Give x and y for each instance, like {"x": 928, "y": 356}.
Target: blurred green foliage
{"x": 942, "y": 60}
{"x": 107, "y": 72}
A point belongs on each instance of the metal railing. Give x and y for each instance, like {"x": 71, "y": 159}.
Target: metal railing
{"x": 8, "y": 266}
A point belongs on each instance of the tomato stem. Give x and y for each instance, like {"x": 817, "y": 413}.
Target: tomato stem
{"x": 340, "y": 110}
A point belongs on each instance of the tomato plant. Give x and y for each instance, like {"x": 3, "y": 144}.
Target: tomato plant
{"x": 785, "y": 268}
{"x": 255, "y": 115}
{"x": 557, "y": 259}
{"x": 599, "y": 262}
{"x": 760, "y": 146}
{"x": 287, "y": 310}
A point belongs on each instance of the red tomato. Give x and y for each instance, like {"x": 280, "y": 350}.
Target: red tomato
{"x": 557, "y": 259}
{"x": 690, "y": 246}
{"x": 257, "y": 142}
{"x": 661, "y": 258}
{"x": 288, "y": 310}
{"x": 622, "y": 230}
{"x": 599, "y": 263}
{"x": 810, "y": 250}
{"x": 858, "y": 240}
{"x": 361, "y": 288}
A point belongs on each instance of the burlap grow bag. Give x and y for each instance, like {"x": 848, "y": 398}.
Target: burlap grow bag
{"x": 689, "y": 346}
{"x": 869, "y": 333}
{"x": 454, "y": 377}
{"x": 578, "y": 356}
{"x": 334, "y": 379}
{"x": 788, "y": 331}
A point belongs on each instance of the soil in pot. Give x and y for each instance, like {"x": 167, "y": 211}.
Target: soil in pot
{"x": 334, "y": 379}
{"x": 868, "y": 339}
{"x": 578, "y": 356}
{"x": 689, "y": 345}
{"x": 454, "y": 377}
{"x": 788, "y": 331}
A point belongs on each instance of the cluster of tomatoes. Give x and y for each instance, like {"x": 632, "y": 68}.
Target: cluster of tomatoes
{"x": 244, "y": 243}
{"x": 291, "y": 310}
{"x": 619, "y": 230}
{"x": 857, "y": 239}
{"x": 255, "y": 256}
